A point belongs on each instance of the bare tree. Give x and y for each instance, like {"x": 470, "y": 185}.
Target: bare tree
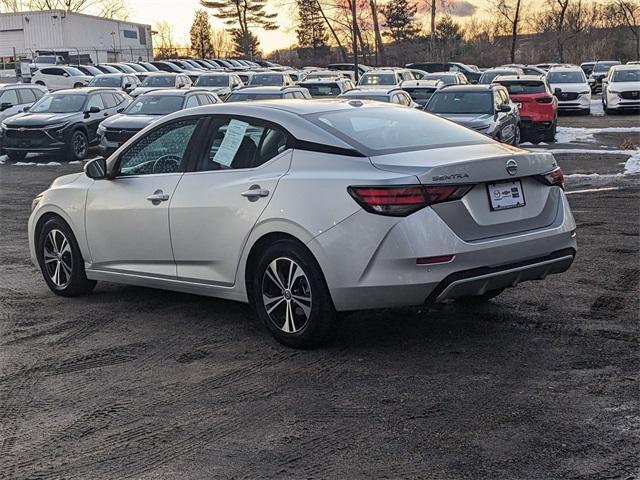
{"x": 220, "y": 43}
{"x": 629, "y": 12}
{"x": 116, "y": 9}
{"x": 510, "y": 11}
{"x": 165, "y": 46}
{"x": 380, "y": 56}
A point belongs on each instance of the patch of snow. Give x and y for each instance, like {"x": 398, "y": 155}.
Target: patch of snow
{"x": 22, "y": 164}
{"x": 50, "y": 164}
{"x": 526, "y": 143}
{"x": 75, "y": 162}
{"x": 588, "y": 150}
{"x": 543, "y": 143}
{"x": 596, "y": 108}
{"x": 3, "y": 159}
{"x": 632, "y": 167}
{"x": 593, "y": 175}
{"x": 582, "y": 134}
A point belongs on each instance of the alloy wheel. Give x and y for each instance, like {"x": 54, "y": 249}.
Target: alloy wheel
{"x": 58, "y": 259}
{"x": 79, "y": 145}
{"x": 286, "y": 295}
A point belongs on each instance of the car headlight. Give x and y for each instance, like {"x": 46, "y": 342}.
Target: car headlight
{"x": 36, "y": 201}
{"x": 101, "y": 129}
{"x": 610, "y": 90}
{"x": 55, "y": 126}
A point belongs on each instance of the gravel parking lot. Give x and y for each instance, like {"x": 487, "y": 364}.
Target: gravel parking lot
{"x": 540, "y": 383}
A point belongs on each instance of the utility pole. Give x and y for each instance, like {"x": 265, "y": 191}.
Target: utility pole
{"x": 355, "y": 39}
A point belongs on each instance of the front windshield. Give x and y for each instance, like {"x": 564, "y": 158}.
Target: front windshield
{"x": 420, "y": 94}
{"x": 212, "y": 81}
{"x": 576, "y": 76}
{"x": 626, "y": 76}
{"x": 487, "y": 77}
{"x": 159, "y": 81}
{"x": 155, "y": 105}
{"x": 378, "y": 79}
{"x": 461, "y": 102}
{"x": 59, "y": 103}
{"x": 91, "y": 70}
{"x": 380, "y": 130}
{"x": 245, "y": 97}
{"x": 267, "y": 79}
{"x": 105, "y": 82}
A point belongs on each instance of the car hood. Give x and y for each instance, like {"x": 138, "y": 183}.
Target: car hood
{"x": 130, "y": 122}
{"x": 66, "y": 179}
{"x": 28, "y": 119}
{"x": 468, "y": 119}
{"x": 624, "y": 86}
{"x": 570, "y": 87}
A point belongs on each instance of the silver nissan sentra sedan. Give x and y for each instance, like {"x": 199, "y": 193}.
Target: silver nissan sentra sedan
{"x": 306, "y": 208}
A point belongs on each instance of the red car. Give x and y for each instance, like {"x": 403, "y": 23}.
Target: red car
{"x": 537, "y": 104}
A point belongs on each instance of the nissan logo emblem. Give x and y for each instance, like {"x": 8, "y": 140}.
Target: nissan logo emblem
{"x": 512, "y": 167}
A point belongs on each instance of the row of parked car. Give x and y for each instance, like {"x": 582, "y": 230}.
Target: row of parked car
{"x": 508, "y": 103}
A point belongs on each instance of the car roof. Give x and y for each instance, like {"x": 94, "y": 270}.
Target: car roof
{"x": 324, "y": 80}
{"x": 20, "y": 85}
{"x": 175, "y": 92}
{"x": 161, "y": 74}
{"x": 265, "y": 88}
{"x": 420, "y": 83}
{"x": 626, "y": 66}
{"x": 471, "y": 88}
{"x": 566, "y": 69}
{"x": 83, "y": 90}
{"x": 371, "y": 91}
{"x": 119, "y": 74}
{"x": 514, "y": 78}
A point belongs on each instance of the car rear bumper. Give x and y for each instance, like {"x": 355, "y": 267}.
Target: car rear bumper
{"x": 380, "y": 255}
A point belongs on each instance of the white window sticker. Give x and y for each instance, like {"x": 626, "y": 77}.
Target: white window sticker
{"x": 231, "y": 142}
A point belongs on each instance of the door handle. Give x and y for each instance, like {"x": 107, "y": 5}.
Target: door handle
{"x": 157, "y": 197}
{"x": 255, "y": 192}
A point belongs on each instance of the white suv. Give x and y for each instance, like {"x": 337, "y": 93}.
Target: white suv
{"x": 621, "y": 88}
{"x": 570, "y": 86}
{"x": 60, "y": 77}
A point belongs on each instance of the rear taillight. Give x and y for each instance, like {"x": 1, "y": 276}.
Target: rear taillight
{"x": 545, "y": 100}
{"x": 554, "y": 178}
{"x": 400, "y": 201}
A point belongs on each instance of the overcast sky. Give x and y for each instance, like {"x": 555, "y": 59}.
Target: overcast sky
{"x": 180, "y": 15}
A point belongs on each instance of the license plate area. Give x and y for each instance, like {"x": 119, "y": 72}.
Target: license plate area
{"x": 505, "y": 195}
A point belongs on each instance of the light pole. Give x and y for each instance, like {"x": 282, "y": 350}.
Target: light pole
{"x": 355, "y": 39}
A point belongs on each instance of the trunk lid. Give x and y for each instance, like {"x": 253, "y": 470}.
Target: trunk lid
{"x": 472, "y": 218}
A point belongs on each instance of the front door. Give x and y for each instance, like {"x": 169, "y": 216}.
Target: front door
{"x": 216, "y": 206}
{"x": 127, "y": 218}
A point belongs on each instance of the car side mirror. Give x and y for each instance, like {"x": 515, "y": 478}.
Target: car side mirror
{"x": 94, "y": 109}
{"x": 65, "y": 74}
{"x": 127, "y": 86}
{"x": 5, "y": 105}
{"x": 505, "y": 108}
{"x": 27, "y": 108}
{"x": 96, "y": 169}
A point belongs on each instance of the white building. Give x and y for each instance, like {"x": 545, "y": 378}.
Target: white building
{"x": 72, "y": 35}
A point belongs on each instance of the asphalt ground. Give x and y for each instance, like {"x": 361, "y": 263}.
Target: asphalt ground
{"x": 133, "y": 383}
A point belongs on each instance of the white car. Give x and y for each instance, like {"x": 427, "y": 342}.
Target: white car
{"x": 571, "y": 88}
{"x": 383, "y": 77}
{"x": 14, "y": 97}
{"x": 621, "y": 88}
{"x": 60, "y": 77}
{"x": 220, "y": 83}
{"x": 303, "y": 209}
{"x": 161, "y": 81}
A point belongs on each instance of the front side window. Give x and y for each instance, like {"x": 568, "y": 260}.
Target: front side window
{"x": 9, "y": 96}
{"x": 192, "y": 101}
{"x": 161, "y": 151}
{"x": 95, "y": 101}
{"x": 382, "y": 130}
{"x": 238, "y": 144}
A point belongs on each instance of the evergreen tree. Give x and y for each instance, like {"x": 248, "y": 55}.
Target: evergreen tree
{"x": 311, "y": 31}
{"x": 201, "y": 35}
{"x": 400, "y": 19}
{"x": 241, "y": 16}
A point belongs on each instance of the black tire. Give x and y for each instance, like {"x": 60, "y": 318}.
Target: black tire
{"x": 16, "y": 156}
{"x": 609, "y": 111}
{"x": 485, "y": 297}
{"x": 550, "y": 133}
{"x": 78, "y": 147}
{"x": 77, "y": 85}
{"x": 517, "y": 136}
{"x": 53, "y": 253}
{"x": 311, "y": 322}
{"x": 40, "y": 83}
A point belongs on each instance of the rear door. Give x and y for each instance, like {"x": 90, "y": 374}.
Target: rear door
{"x": 218, "y": 202}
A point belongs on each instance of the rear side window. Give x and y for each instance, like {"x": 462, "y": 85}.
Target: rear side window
{"x": 108, "y": 100}
{"x": 377, "y": 131}
{"x": 27, "y": 95}
{"x": 9, "y": 96}
{"x": 238, "y": 144}
{"x": 524, "y": 87}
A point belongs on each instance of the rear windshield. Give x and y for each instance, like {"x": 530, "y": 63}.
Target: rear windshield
{"x": 461, "y": 102}
{"x": 322, "y": 89}
{"x": 212, "y": 81}
{"x": 626, "y": 76}
{"x": 364, "y": 96}
{"x": 523, "y": 87}
{"x": 155, "y": 105}
{"x": 159, "y": 81}
{"x": 487, "y": 77}
{"x": 603, "y": 67}
{"x": 377, "y": 131}
{"x": 378, "y": 79}
{"x": 244, "y": 97}
{"x": 423, "y": 93}
{"x": 448, "y": 79}
{"x": 566, "y": 77}
{"x": 266, "y": 79}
